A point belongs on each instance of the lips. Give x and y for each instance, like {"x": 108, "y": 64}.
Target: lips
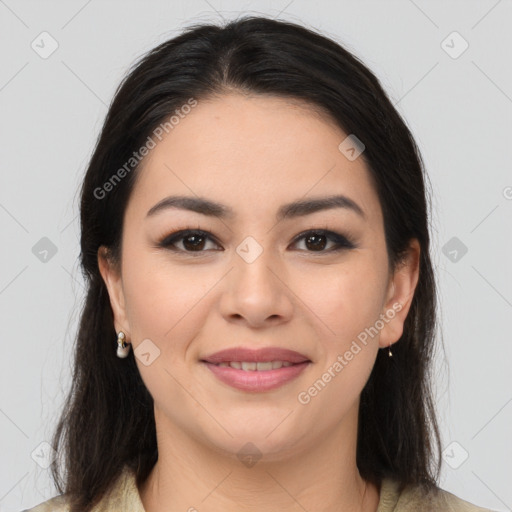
{"x": 241, "y": 354}
{"x": 256, "y": 370}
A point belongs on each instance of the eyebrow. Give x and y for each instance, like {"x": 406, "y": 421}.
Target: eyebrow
{"x": 292, "y": 210}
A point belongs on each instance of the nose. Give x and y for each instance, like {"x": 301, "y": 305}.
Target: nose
{"x": 256, "y": 292}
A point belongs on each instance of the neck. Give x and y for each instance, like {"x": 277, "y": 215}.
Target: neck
{"x": 190, "y": 476}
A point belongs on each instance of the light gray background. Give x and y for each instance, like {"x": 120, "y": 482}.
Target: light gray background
{"x": 459, "y": 110}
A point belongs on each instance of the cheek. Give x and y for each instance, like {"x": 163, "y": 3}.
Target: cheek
{"x": 154, "y": 295}
{"x": 349, "y": 303}
{"x": 163, "y": 305}
{"x": 344, "y": 299}
{"x": 165, "y": 301}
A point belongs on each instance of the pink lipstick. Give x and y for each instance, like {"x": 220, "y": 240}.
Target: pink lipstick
{"x": 256, "y": 370}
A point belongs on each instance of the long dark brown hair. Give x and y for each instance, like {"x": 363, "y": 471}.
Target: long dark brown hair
{"x": 108, "y": 420}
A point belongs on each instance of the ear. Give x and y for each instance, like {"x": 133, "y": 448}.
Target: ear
{"x": 111, "y": 274}
{"x": 400, "y": 294}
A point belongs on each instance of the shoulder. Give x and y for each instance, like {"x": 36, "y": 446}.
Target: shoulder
{"x": 56, "y": 504}
{"x": 416, "y": 499}
{"x": 122, "y": 496}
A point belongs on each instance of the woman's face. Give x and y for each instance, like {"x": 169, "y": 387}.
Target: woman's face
{"x": 250, "y": 282}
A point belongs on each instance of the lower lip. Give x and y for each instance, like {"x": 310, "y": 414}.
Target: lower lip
{"x": 256, "y": 380}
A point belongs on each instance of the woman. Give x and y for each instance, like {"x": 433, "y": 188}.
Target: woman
{"x": 255, "y": 243}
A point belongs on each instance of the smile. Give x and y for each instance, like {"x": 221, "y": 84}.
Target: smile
{"x": 256, "y": 376}
{"x": 255, "y": 366}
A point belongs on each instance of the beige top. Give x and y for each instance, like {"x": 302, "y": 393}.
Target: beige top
{"x": 124, "y": 497}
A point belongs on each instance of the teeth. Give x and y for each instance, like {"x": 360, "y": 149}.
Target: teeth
{"x": 256, "y": 366}
{"x": 264, "y": 366}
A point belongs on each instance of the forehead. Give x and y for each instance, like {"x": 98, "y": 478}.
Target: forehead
{"x": 253, "y": 153}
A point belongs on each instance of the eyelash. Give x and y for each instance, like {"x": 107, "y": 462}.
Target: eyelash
{"x": 341, "y": 242}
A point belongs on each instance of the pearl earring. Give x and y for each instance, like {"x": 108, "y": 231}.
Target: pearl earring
{"x": 123, "y": 348}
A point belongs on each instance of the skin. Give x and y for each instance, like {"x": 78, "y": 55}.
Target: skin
{"x": 255, "y": 153}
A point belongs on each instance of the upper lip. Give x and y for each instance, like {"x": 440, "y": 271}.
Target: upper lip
{"x": 255, "y": 355}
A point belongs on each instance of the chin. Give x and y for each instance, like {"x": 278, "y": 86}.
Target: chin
{"x": 251, "y": 443}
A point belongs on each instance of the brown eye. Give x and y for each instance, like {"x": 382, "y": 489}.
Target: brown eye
{"x": 317, "y": 240}
{"x": 192, "y": 241}
{"x": 196, "y": 241}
